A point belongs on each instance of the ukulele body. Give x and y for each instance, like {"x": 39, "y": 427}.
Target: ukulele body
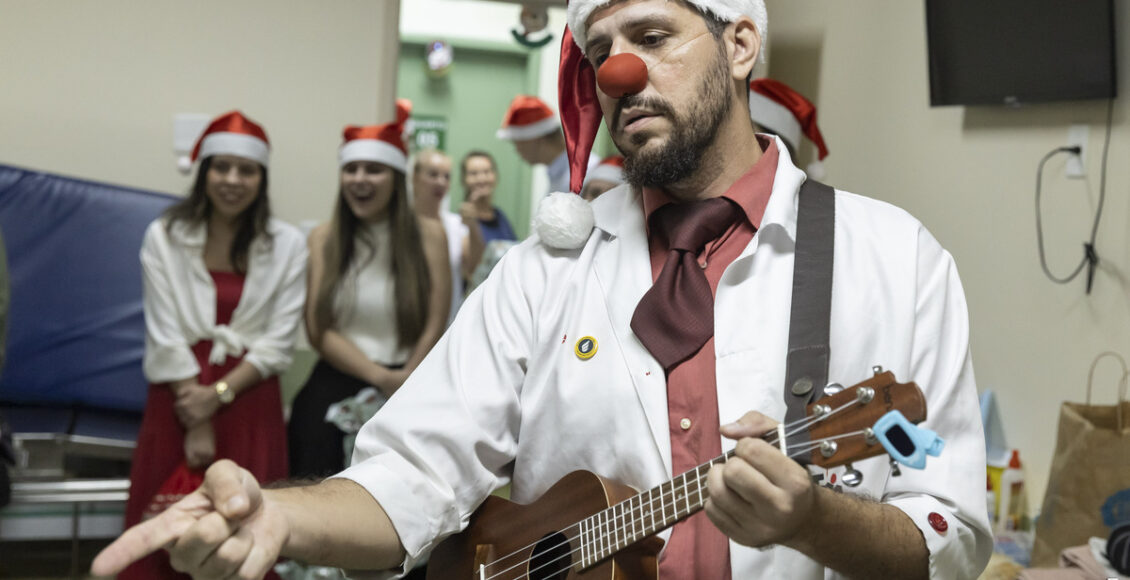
{"x": 504, "y": 536}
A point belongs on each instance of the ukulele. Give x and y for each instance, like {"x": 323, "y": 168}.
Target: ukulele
{"x": 588, "y": 527}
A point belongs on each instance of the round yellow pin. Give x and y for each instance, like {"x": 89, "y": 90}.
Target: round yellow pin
{"x": 585, "y": 348}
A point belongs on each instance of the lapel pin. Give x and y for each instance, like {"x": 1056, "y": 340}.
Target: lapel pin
{"x": 585, "y": 348}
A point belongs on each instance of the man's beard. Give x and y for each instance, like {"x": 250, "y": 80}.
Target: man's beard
{"x": 681, "y": 157}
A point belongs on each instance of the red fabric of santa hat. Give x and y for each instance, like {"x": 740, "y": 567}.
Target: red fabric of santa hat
{"x": 380, "y": 143}
{"x": 527, "y": 118}
{"x": 576, "y": 81}
{"x": 780, "y": 109}
{"x": 233, "y": 134}
{"x": 610, "y": 169}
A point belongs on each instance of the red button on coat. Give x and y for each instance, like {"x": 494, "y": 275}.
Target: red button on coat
{"x": 938, "y": 522}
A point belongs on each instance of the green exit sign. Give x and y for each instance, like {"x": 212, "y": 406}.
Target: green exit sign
{"x": 430, "y": 132}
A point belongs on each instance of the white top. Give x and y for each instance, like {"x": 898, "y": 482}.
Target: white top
{"x": 179, "y": 299}
{"x": 456, "y": 232}
{"x": 366, "y": 304}
{"x": 504, "y": 398}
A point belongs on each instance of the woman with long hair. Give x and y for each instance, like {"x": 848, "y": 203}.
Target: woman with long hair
{"x": 223, "y": 296}
{"x": 379, "y": 290}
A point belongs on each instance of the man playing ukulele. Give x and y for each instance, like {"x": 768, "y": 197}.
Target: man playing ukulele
{"x": 623, "y": 352}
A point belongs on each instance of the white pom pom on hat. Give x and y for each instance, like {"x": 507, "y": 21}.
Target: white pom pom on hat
{"x": 564, "y": 221}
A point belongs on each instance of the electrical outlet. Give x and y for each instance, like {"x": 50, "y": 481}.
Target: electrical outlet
{"x": 1077, "y": 136}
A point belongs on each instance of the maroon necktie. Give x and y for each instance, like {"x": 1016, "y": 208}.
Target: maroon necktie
{"x": 676, "y": 316}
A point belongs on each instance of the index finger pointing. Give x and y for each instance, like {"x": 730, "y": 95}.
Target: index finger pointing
{"x": 138, "y": 542}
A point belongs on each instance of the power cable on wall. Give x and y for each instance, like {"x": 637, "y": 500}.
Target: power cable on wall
{"x": 1090, "y": 256}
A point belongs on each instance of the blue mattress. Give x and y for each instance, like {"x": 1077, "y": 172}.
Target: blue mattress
{"x": 75, "y": 327}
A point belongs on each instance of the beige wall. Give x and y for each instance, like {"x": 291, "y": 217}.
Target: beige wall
{"x": 90, "y": 88}
{"x": 969, "y": 175}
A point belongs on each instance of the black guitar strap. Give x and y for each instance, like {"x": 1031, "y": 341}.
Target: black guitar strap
{"x": 806, "y": 371}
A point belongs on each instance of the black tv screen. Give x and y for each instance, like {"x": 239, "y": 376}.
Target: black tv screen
{"x": 985, "y": 52}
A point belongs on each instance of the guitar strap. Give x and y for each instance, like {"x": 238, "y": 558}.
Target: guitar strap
{"x": 806, "y": 371}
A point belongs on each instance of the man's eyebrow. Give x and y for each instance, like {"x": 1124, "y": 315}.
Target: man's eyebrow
{"x": 643, "y": 21}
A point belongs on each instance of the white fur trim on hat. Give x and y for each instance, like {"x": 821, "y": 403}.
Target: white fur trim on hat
{"x": 606, "y": 172}
{"x": 775, "y": 118}
{"x": 579, "y": 11}
{"x": 237, "y": 144}
{"x": 532, "y": 131}
{"x": 564, "y": 221}
{"x": 373, "y": 150}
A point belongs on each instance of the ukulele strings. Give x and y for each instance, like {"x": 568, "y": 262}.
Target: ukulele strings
{"x": 632, "y": 521}
{"x": 770, "y": 437}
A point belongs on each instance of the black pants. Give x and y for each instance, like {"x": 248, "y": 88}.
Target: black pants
{"x": 315, "y": 445}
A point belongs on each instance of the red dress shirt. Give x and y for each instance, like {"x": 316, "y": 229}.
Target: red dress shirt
{"x": 696, "y": 548}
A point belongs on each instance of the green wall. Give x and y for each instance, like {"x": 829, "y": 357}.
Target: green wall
{"x": 473, "y": 97}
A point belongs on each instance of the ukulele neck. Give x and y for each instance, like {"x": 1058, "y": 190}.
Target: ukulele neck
{"x": 645, "y": 514}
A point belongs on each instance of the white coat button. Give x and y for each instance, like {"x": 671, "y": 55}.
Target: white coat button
{"x": 685, "y": 423}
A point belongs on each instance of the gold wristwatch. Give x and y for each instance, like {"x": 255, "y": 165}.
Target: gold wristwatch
{"x": 224, "y": 392}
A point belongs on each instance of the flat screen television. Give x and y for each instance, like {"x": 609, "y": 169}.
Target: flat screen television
{"x": 1012, "y": 52}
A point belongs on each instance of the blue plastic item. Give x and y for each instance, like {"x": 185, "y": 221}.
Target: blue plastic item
{"x": 906, "y": 442}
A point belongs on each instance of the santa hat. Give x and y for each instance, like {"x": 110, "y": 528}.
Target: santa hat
{"x": 381, "y": 143}
{"x": 233, "y": 134}
{"x": 576, "y": 84}
{"x": 610, "y": 169}
{"x": 781, "y": 110}
{"x": 565, "y": 221}
{"x": 527, "y": 118}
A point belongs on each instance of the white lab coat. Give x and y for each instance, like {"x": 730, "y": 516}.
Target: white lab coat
{"x": 180, "y": 301}
{"x": 503, "y": 397}
{"x": 456, "y": 232}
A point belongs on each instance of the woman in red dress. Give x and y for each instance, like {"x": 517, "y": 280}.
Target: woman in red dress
{"x": 224, "y": 290}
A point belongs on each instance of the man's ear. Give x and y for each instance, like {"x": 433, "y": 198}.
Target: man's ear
{"x": 745, "y": 47}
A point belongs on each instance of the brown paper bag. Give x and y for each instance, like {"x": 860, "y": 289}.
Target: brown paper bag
{"x": 1088, "y": 489}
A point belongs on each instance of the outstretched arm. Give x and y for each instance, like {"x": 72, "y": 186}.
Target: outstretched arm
{"x": 230, "y": 527}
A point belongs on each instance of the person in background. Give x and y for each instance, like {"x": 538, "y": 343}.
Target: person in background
{"x": 480, "y": 177}
{"x": 223, "y": 294}
{"x": 604, "y": 177}
{"x": 378, "y": 292}
{"x": 479, "y": 174}
{"x": 536, "y": 133}
{"x": 779, "y": 110}
{"x": 431, "y": 180}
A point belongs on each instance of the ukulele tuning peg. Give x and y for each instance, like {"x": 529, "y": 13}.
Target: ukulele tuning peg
{"x": 895, "y": 471}
{"x": 878, "y": 370}
{"x": 851, "y": 477}
{"x": 832, "y": 389}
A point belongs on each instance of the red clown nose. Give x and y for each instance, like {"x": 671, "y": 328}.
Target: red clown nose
{"x": 622, "y": 75}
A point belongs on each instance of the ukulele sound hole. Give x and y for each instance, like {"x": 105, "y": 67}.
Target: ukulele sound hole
{"x": 551, "y": 559}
